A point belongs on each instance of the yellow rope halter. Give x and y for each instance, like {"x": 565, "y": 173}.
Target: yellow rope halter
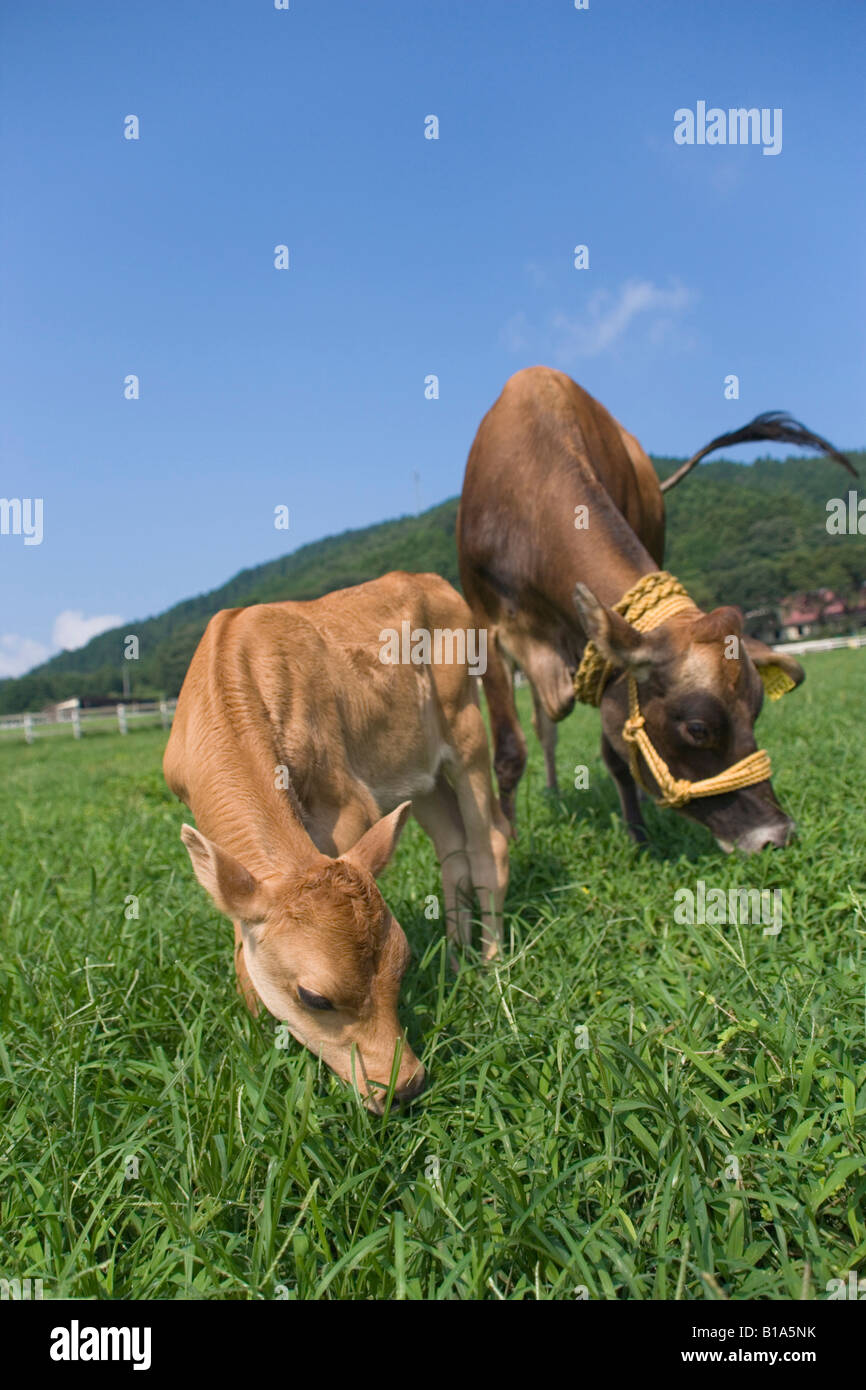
{"x": 654, "y": 599}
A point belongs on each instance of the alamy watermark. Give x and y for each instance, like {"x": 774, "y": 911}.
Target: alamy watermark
{"x": 852, "y": 1287}
{"x": 846, "y": 516}
{"x": 736, "y": 126}
{"x": 22, "y": 516}
{"x": 18, "y": 1290}
{"x": 719, "y": 907}
{"x": 443, "y": 647}
{"x": 77, "y": 1343}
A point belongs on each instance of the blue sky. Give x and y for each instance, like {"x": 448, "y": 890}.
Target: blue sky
{"x": 408, "y": 256}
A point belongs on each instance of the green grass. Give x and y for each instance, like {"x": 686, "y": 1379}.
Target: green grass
{"x": 559, "y": 1168}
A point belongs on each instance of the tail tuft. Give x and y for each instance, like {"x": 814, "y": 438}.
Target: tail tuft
{"x": 772, "y": 425}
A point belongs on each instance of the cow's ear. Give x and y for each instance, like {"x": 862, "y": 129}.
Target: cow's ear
{"x": 718, "y": 625}
{"x": 376, "y": 846}
{"x": 232, "y": 887}
{"x": 617, "y": 641}
{"x": 778, "y": 671}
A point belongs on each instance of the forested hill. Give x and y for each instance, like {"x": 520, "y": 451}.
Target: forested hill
{"x": 738, "y": 534}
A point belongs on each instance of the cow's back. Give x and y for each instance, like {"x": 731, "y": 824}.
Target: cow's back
{"x": 544, "y": 448}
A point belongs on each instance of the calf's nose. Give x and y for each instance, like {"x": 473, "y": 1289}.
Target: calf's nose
{"x": 413, "y": 1087}
{"x": 375, "y": 1100}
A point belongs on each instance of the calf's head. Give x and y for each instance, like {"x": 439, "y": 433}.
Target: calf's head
{"x": 700, "y": 693}
{"x": 324, "y": 953}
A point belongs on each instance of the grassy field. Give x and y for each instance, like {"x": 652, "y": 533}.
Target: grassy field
{"x": 707, "y": 1142}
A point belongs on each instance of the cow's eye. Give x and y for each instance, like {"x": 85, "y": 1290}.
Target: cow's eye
{"x": 698, "y": 731}
{"x": 313, "y": 1001}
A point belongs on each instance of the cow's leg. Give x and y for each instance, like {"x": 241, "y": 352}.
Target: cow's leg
{"x": 245, "y": 985}
{"x": 509, "y": 742}
{"x": 439, "y": 814}
{"x": 487, "y": 831}
{"x": 547, "y": 736}
{"x": 628, "y": 792}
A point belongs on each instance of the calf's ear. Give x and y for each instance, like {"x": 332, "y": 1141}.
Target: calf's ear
{"x": 376, "y": 846}
{"x": 778, "y": 671}
{"x": 232, "y": 887}
{"x": 617, "y": 641}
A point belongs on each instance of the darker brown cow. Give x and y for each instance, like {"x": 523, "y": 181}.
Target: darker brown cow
{"x": 562, "y": 514}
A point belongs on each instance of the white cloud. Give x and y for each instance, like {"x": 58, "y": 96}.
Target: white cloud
{"x": 19, "y": 654}
{"x": 72, "y": 630}
{"x": 608, "y": 316}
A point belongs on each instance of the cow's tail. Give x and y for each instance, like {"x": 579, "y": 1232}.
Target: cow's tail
{"x": 773, "y": 424}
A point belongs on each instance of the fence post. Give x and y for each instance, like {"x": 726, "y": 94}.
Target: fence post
{"x": 121, "y": 718}
{"x": 28, "y": 729}
{"x": 76, "y": 724}
{"x": 163, "y": 713}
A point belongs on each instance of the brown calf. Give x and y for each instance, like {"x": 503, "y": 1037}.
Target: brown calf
{"x": 299, "y": 750}
{"x": 561, "y": 514}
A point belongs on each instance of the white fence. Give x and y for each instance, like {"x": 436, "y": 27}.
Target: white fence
{"x": 820, "y": 644}
{"x": 77, "y": 719}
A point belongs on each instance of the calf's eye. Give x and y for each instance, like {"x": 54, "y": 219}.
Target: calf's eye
{"x": 313, "y": 1001}
{"x": 698, "y": 731}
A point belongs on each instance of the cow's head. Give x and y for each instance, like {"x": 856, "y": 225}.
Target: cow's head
{"x": 324, "y": 953}
{"x": 700, "y": 693}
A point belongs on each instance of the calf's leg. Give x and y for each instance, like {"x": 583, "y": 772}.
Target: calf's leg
{"x": 509, "y": 742}
{"x": 439, "y": 814}
{"x": 487, "y": 831}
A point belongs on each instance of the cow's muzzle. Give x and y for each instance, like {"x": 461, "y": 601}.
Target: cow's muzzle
{"x": 774, "y": 835}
